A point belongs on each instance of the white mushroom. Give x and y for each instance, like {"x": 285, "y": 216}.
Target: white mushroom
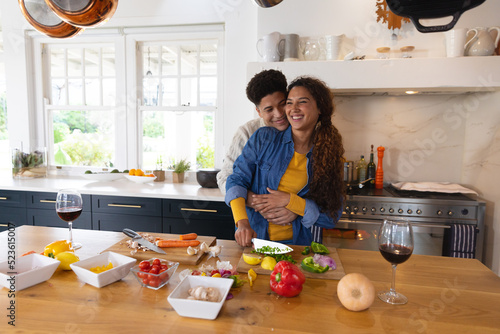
{"x": 206, "y": 294}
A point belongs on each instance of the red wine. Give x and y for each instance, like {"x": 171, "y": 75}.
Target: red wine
{"x": 69, "y": 214}
{"x": 395, "y": 254}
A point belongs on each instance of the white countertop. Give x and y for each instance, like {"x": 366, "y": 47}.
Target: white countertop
{"x": 121, "y": 187}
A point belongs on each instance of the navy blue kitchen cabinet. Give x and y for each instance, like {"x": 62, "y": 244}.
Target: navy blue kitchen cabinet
{"x": 41, "y": 211}
{"x": 12, "y": 208}
{"x": 201, "y": 217}
{"x": 114, "y": 213}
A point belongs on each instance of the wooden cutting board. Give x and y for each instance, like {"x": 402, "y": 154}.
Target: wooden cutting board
{"x": 175, "y": 254}
{"x": 297, "y": 256}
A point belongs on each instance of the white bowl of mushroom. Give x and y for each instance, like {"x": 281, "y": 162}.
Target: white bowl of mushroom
{"x": 200, "y": 296}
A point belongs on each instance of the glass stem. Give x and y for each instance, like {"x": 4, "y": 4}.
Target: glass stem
{"x": 70, "y": 225}
{"x": 393, "y": 283}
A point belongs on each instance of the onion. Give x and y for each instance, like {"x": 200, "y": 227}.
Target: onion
{"x": 324, "y": 260}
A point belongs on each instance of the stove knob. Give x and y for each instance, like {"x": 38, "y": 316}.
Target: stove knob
{"x": 391, "y": 210}
{"x": 439, "y": 212}
{"x": 374, "y": 210}
{"x": 364, "y": 209}
{"x": 382, "y": 209}
{"x": 450, "y": 213}
{"x": 465, "y": 212}
{"x": 355, "y": 209}
{"x": 347, "y": 208}
{"x": 410, "y": 211}
{"x": 400, "y": 211}
{"x": 419, "y": 211}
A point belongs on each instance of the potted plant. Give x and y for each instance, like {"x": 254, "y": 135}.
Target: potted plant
{"x": 159, "y": 172}
{"x": 178, "y": 170}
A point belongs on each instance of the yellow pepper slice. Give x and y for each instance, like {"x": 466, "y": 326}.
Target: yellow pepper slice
{"x": 216, "y": 275}
{"x": 252, "y": 276}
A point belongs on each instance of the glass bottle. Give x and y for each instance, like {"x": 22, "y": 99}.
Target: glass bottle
{"x": 370, "y": 171}
{"x": 361, "y": 168}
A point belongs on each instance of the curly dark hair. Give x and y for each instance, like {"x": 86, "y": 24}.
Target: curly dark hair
{"x": 327, "y": 186}
{"x": 265, "y": 83}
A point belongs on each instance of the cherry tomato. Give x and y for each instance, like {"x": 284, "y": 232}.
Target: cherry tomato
{"x": 164, "y": 266}
{"x": 145, "y": 280}
{"x": 142, "y": 275}
{"x": 144, "y": 265}
{"x": 215, "y": 271}
{"x": 154, "y": 282}
{"x": 196, "y": 272}
{"x": 163, "y": 274}
{"x": 156, "y": 262}
{"x": 154, "y": 270}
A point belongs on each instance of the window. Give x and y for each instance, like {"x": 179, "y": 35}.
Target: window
{"x": 179, "y": 102}
{"x": 132, "y": 99}
{"x": 5, "y": 158}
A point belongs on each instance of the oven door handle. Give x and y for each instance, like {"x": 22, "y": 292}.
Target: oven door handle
{"x": 378, "y": 222}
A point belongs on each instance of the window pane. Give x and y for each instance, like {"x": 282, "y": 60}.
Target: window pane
{"x": 175, "y": 136}
{"x": 169, "y": 92}
{"x": 189, "y": 59}
{"x": 75, "y": 92}
{"x": 189, "y": 92}
{"x": 74, "y": 62}
{"x": 83, "y": 138}
{"x": 169, "y": 60}
{"x": 58, "y": 92}
{"x": 92, "y": 92}
{"x": 57, "y": 62}
{"x": 151, "y": 64}
{"x": 108, "y": 62}
{"x": 109, "y": 92}
{"x": 208, "y": 91}
{"x": 150, "y": 90}
{"x": 208, "y": 59}
{"x": 5, "y": 158}
{"x": 92, "y": 60}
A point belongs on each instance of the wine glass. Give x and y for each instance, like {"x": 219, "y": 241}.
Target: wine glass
{"x": 69, "y": 206}
{"x": 395, "y": 242}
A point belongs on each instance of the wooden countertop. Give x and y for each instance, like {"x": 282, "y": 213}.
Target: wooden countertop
{"x": 446, "y": 295}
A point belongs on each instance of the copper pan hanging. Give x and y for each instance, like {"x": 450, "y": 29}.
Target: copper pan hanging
{"x": 83, "y": 13}
{"x": 43, "y": 19}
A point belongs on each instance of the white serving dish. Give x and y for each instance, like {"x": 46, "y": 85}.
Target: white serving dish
{"x": 140, "y": 179}
{"x": 32, "y": 269}
{"x": 196, "y": 308}
{"x": 103, "y": 176}
{"x": 121, "y": 267}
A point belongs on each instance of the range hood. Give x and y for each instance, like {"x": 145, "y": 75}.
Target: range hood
{"x": 427, "y": 76}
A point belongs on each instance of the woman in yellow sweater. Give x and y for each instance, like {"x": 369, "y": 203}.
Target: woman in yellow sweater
{"x": 300, "y": 168}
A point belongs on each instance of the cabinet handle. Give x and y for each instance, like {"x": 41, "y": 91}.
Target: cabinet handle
{"x": 3, "y": 198}
{"x": 198, "y": 210}
{"x": 47, "y": 201}
{"x": 3, "y": 225}
{"x": 126, "y": 206}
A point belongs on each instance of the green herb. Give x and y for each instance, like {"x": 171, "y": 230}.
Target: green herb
{"x": 268, "y": 251}
{"x": 237, "y": 281}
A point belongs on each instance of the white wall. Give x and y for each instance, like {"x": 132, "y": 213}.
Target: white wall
{"x": 469, "y": 156}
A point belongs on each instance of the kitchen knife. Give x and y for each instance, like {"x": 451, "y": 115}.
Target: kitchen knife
{"x": 143, "y": 242}
{"x": 278, "y": 248}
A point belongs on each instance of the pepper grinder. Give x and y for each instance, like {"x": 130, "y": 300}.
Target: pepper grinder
{"x": 379, "y": 174}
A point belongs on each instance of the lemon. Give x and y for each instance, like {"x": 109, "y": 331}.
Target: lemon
{"x": 252, "y": 259}
{"x": 252, "y": 276}
{"x": 66, "y": 259}
{"x": 268, "y": 263}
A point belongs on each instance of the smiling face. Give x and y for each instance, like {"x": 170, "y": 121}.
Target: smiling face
{"x": 301, "y": 109}
{"x": 272, "y": 110}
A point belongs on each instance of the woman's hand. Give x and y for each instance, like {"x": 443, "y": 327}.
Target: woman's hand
{"x": 280, "y": 216}
{"x": 244, "y": 233}
{"x": 267, "y": 202}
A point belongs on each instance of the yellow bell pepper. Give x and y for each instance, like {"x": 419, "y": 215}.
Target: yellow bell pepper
{"x": 56, "y": 247}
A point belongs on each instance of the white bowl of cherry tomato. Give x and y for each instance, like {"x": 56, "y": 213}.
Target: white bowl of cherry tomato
{"x": 154, "y": 273}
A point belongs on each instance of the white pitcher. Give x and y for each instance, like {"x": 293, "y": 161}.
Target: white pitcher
{"x": 332, "y": 46}
{"x": 481, "y": 42}
{"x": 267, "y": 47}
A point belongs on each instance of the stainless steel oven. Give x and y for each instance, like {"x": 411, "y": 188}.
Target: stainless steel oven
{"x": 430, "y": 214}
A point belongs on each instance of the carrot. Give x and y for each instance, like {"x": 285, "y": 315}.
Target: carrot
{"x": 30, "y": 252}
{"x": 189, "y": 236}
{"x": 177, "y": 243}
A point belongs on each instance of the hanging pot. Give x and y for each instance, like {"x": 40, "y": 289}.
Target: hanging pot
{"x": 432, "y": 9}
{"x": 83, "y": 13}
{"x": 43, "y": 19}
{"x": 267, "y": 3}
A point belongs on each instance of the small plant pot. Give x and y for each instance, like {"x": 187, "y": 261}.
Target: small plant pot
{"x": 160, "y": 175}
{"x": 178, "y": 177}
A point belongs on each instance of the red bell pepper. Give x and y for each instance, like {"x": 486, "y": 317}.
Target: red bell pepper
{"x": 287, "y": 279}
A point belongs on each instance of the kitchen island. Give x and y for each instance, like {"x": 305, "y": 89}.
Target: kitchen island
{"x": 446, "y": 295}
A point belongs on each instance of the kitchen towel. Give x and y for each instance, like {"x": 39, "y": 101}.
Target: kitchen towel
{"x": 440, "y": 187}
{"x": 460, "y": 241}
